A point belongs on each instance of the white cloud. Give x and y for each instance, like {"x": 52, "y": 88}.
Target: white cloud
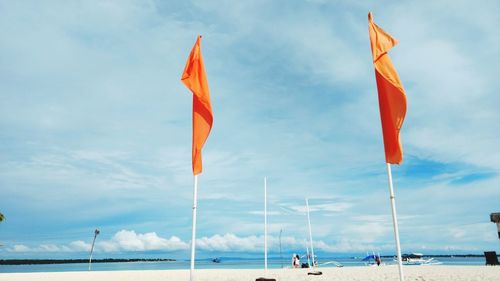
{"x": 233, "y": 243}
{"x": 80, "y": 246}
{"x": 122, "y": 241}
{"x": 50, "y": 248}
{"x": 19, "y": 249}
{"x": 354, "y": 239}
{"x": 129, "y": 240}
{"x": 43, "y": 248}
{"x": 229, "y": 242}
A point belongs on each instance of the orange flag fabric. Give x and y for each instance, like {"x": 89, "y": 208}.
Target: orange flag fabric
{"x": 391, "y": 95}
{"x": 195, "y": 79}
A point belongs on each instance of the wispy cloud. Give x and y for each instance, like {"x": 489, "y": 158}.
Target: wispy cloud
{"x": 327, "y": 207}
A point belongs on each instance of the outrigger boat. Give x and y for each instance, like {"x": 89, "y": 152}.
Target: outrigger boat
{"x": 418, "y": 259}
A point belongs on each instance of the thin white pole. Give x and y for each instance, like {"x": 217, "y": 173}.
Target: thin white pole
{"x": 310, "y": 232}
{"x": 193, "y": 236}
{"x": 395, "y": 223}
{"x": 307, "y": 252}
{"x": 281, "y": 256}
{"x": 265, "y": 225}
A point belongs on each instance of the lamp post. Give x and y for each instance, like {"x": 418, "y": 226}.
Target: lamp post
{"x": 495, "y": 217}
{"x": 96, "y": 232}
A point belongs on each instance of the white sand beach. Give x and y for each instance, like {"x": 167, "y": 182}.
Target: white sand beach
{"x": 383, "y": 273}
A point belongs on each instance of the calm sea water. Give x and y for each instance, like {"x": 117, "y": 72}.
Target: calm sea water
{"x": 206, "y": 264}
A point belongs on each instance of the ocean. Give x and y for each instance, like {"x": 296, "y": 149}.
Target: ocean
{"x": 226, "y": 263}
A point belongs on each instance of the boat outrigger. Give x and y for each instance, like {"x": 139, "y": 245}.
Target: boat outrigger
{"x": 418, "y": 259}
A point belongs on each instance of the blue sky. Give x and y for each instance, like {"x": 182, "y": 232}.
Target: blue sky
{"x": 95, "y": 127}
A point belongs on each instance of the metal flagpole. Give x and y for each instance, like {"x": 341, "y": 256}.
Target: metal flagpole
{"x": 193, "y": 236}
{"x": 310, "y": 232}
{"x": 96, "y": 232}
{"x": 395, "y": 223}
{"x": 265, "y": 226}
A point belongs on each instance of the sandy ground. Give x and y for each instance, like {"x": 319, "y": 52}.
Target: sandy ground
{"x": 413, "y": 273}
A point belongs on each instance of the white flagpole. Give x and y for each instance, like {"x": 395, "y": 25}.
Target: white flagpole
{"x": 310, "y": 232}
{"x": 193, "y": 236}
{"x": 395, "y": 223}
{"x": 265, "y": 226}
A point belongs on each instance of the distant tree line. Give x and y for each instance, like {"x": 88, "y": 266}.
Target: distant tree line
{"x": 54, "y": 261}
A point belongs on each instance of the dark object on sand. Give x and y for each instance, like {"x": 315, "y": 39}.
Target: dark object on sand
{"x": 315, "y": 273}
{"x": 264, "y": 279}
{"x": 491, "y": 258}
{"x": 304, "y": 265}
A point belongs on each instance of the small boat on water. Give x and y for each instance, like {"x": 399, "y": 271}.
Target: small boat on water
{"x": 216, "y": 260}
{"x": 418, "y": 259}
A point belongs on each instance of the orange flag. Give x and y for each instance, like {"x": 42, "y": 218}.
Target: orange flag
{"x": 391, "y": 95}
{"x": 195, "y": 79}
